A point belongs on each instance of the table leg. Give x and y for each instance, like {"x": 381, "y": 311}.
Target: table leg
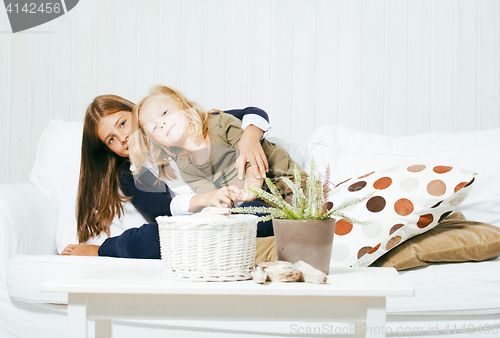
{"x": 77, "y": 315}
{"x": 375, "y": 318}
{"x": 103, "y": 328}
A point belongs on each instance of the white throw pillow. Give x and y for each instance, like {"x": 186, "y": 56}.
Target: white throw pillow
{"x": 407, "y": 201}
{"x": 56, "y": 173}
{"x": 352, "y": 153}
{"x": 290, "y": 147}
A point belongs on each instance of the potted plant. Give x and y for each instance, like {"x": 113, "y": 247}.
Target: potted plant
{"x": 303, "y": 229}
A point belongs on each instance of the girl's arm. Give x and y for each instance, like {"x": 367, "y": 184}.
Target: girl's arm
{"x": 151, "y": 198}
{"x": 220, "y": 198}
{"x": 251, "y": 151}
{"x": 141, "y": 242}
{"x": 255, "y": 123}
{"x": 250, "y": 181}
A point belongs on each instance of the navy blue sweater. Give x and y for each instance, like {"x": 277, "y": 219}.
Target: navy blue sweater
{"x": 153, "y": 199}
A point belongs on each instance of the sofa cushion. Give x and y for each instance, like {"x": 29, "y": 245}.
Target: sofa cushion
{"x": 25, "y": 273}
{"x": 56, "y": 172}
{"x": 454, "y": 240}
{"x": 352, "y": 153}
{"x": 468, "y": 288}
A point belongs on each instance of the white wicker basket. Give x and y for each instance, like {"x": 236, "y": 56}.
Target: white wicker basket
{"x": 206, "y": 247}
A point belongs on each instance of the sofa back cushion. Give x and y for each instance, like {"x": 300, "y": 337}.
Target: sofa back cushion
{"x": 56, "y": 172}
{"x": 352, "y": 153}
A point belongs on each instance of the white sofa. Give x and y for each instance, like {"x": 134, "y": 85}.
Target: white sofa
{"x": 37, "y": 220}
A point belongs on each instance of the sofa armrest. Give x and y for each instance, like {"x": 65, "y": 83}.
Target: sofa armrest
{"x": 28, "y": 222}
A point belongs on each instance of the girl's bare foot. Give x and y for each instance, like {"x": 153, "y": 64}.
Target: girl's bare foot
{"x": 81, "y": 250}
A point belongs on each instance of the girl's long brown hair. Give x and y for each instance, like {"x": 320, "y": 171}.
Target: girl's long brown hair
{"x": 99, "y": 199}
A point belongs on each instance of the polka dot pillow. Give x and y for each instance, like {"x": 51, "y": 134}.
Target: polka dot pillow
{"x": 408, "y": 201}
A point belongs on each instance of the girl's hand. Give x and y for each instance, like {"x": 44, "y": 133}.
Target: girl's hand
{"x": 81, "y": 250}
{"x": 223, "y": 197}
{"x": 246, "y": 196}
{"x": 251, "y": 151}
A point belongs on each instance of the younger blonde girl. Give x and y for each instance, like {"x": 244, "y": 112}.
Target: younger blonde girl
{"x": 167, "y": 125}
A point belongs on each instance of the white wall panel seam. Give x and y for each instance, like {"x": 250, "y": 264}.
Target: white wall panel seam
{"x": 137, "y": 51}
{"x": 30, "y": 90}
{"x": 226, "y": 53}
{"x": 430, "y": 67}
{"x": 115, "y": 59}
{"x": 271, "y": 58}
{"x": 476, "y": 77}
{"x": 204, "y": 81}
{"x": 362, "y": 73}
{"x": 182, "y": 50}
{"x": 71, "y": 70}
{"x": 385, "y": 105}
{"x": 338, "y": 67}
{"x": 315, "y": 103}
{"x": 429, "y": 70}
{"x": 73, "y": 67}
{"x": 94, "y": 50}
{"x": 455, "y": 65}
{"x": 8, "y": 107}
{"x": 249, "y": 55}
{"x": 51, "y": 69}
{"x": 160, "y": 49}
{"x": 407, "y": 66}
{"x": 204, "y": 48}
{"x": 294, "y": 87}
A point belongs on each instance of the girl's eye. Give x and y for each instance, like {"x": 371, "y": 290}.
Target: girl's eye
{"x": 111, "y": 139}
{"x": 124, "y": 122}
{"x": 164, "y": 113}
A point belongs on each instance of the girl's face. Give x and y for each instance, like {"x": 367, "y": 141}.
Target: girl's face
{"x": 164, "y": 122}
{"x": 114, "y": 130}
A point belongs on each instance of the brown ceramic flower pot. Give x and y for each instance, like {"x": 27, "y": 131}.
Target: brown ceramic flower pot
{"x": 308, "y": 241}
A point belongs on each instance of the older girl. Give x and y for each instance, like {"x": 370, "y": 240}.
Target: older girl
{"x": 105, "y": 174}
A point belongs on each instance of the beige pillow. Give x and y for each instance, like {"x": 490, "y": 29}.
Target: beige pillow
{"x": 453, "y": 240}
{"x": 266, "y": 250}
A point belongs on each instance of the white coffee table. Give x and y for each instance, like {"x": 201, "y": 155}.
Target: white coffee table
{"x": 103, "y": 293}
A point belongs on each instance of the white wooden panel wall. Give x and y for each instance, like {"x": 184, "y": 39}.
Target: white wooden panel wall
{"x": 395, "y": 67}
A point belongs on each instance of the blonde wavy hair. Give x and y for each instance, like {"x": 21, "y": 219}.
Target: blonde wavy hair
{"x": 144, "y": 149}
